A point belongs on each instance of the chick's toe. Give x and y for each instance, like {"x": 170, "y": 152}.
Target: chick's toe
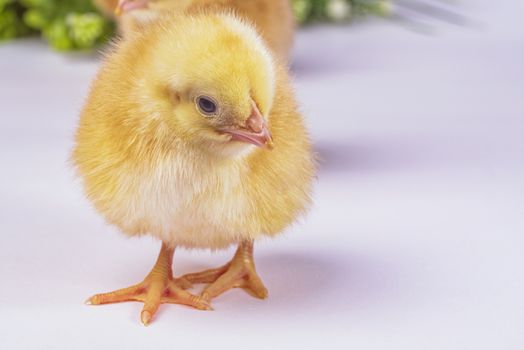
{"x": 240, "y": 272}
{"x": 159, "y": 287}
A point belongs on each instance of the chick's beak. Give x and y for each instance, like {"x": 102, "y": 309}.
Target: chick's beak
{"x": 255, "y": 131}
{"x": 128, "y": 5}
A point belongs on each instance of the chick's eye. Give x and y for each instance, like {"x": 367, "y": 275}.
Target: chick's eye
{"x": 206, "y": 105}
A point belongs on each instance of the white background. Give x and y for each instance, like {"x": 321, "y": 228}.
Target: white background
{"x": 415, "y": 240}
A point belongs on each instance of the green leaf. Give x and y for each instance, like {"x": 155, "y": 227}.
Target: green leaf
{"x": 302, "y": 10}
{"x": 85, "y": 29}
{"x": 57, "y": 36}
{"x": 35, "y": 19}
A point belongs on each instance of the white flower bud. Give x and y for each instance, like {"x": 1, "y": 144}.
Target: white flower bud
{"x": 338, "y": 10}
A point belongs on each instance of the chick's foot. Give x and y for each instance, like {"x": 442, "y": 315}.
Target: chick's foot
{"x": 238, "y": 273}
{"x": 159, "y": 287}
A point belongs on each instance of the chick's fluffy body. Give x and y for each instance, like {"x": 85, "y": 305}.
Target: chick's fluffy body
{"x": 146, "y": 170}
{"x": 272, "y": 18}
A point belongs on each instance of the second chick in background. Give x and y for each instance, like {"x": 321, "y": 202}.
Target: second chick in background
{"x": 273, "y": 19}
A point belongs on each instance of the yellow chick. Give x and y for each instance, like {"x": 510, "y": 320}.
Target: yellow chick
{"x": 174, "y": 142}
{"x": 272, "y": 18}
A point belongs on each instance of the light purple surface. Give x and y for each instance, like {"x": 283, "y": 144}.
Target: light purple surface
{"x": 415, "y": 241}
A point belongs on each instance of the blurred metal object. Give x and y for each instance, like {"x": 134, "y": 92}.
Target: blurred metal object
{"x": 417, "y": 14}
{"x": 433, "y": 8}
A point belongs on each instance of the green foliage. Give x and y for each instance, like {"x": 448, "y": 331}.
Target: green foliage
{"x": 11, "y": 23}
{"x": 77, "y": 25}
{"x": 65, "y": 24}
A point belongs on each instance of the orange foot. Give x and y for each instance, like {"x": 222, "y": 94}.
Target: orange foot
{"x": 157, "y": 288}
{"x": 238, "y": 273}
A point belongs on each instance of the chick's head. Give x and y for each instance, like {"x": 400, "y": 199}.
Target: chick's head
{"x": 210, "y": 82}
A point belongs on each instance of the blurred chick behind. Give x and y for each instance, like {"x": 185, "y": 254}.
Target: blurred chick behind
{"x": 272, "y": 18}
{"x": 173, "y": 142}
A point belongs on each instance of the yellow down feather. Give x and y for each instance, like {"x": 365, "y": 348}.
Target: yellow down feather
{"x": 151, "y": 164}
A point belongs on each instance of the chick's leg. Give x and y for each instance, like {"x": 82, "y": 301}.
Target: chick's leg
{"x": 238, "y": 273}
{"x": 158, "y": 287}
